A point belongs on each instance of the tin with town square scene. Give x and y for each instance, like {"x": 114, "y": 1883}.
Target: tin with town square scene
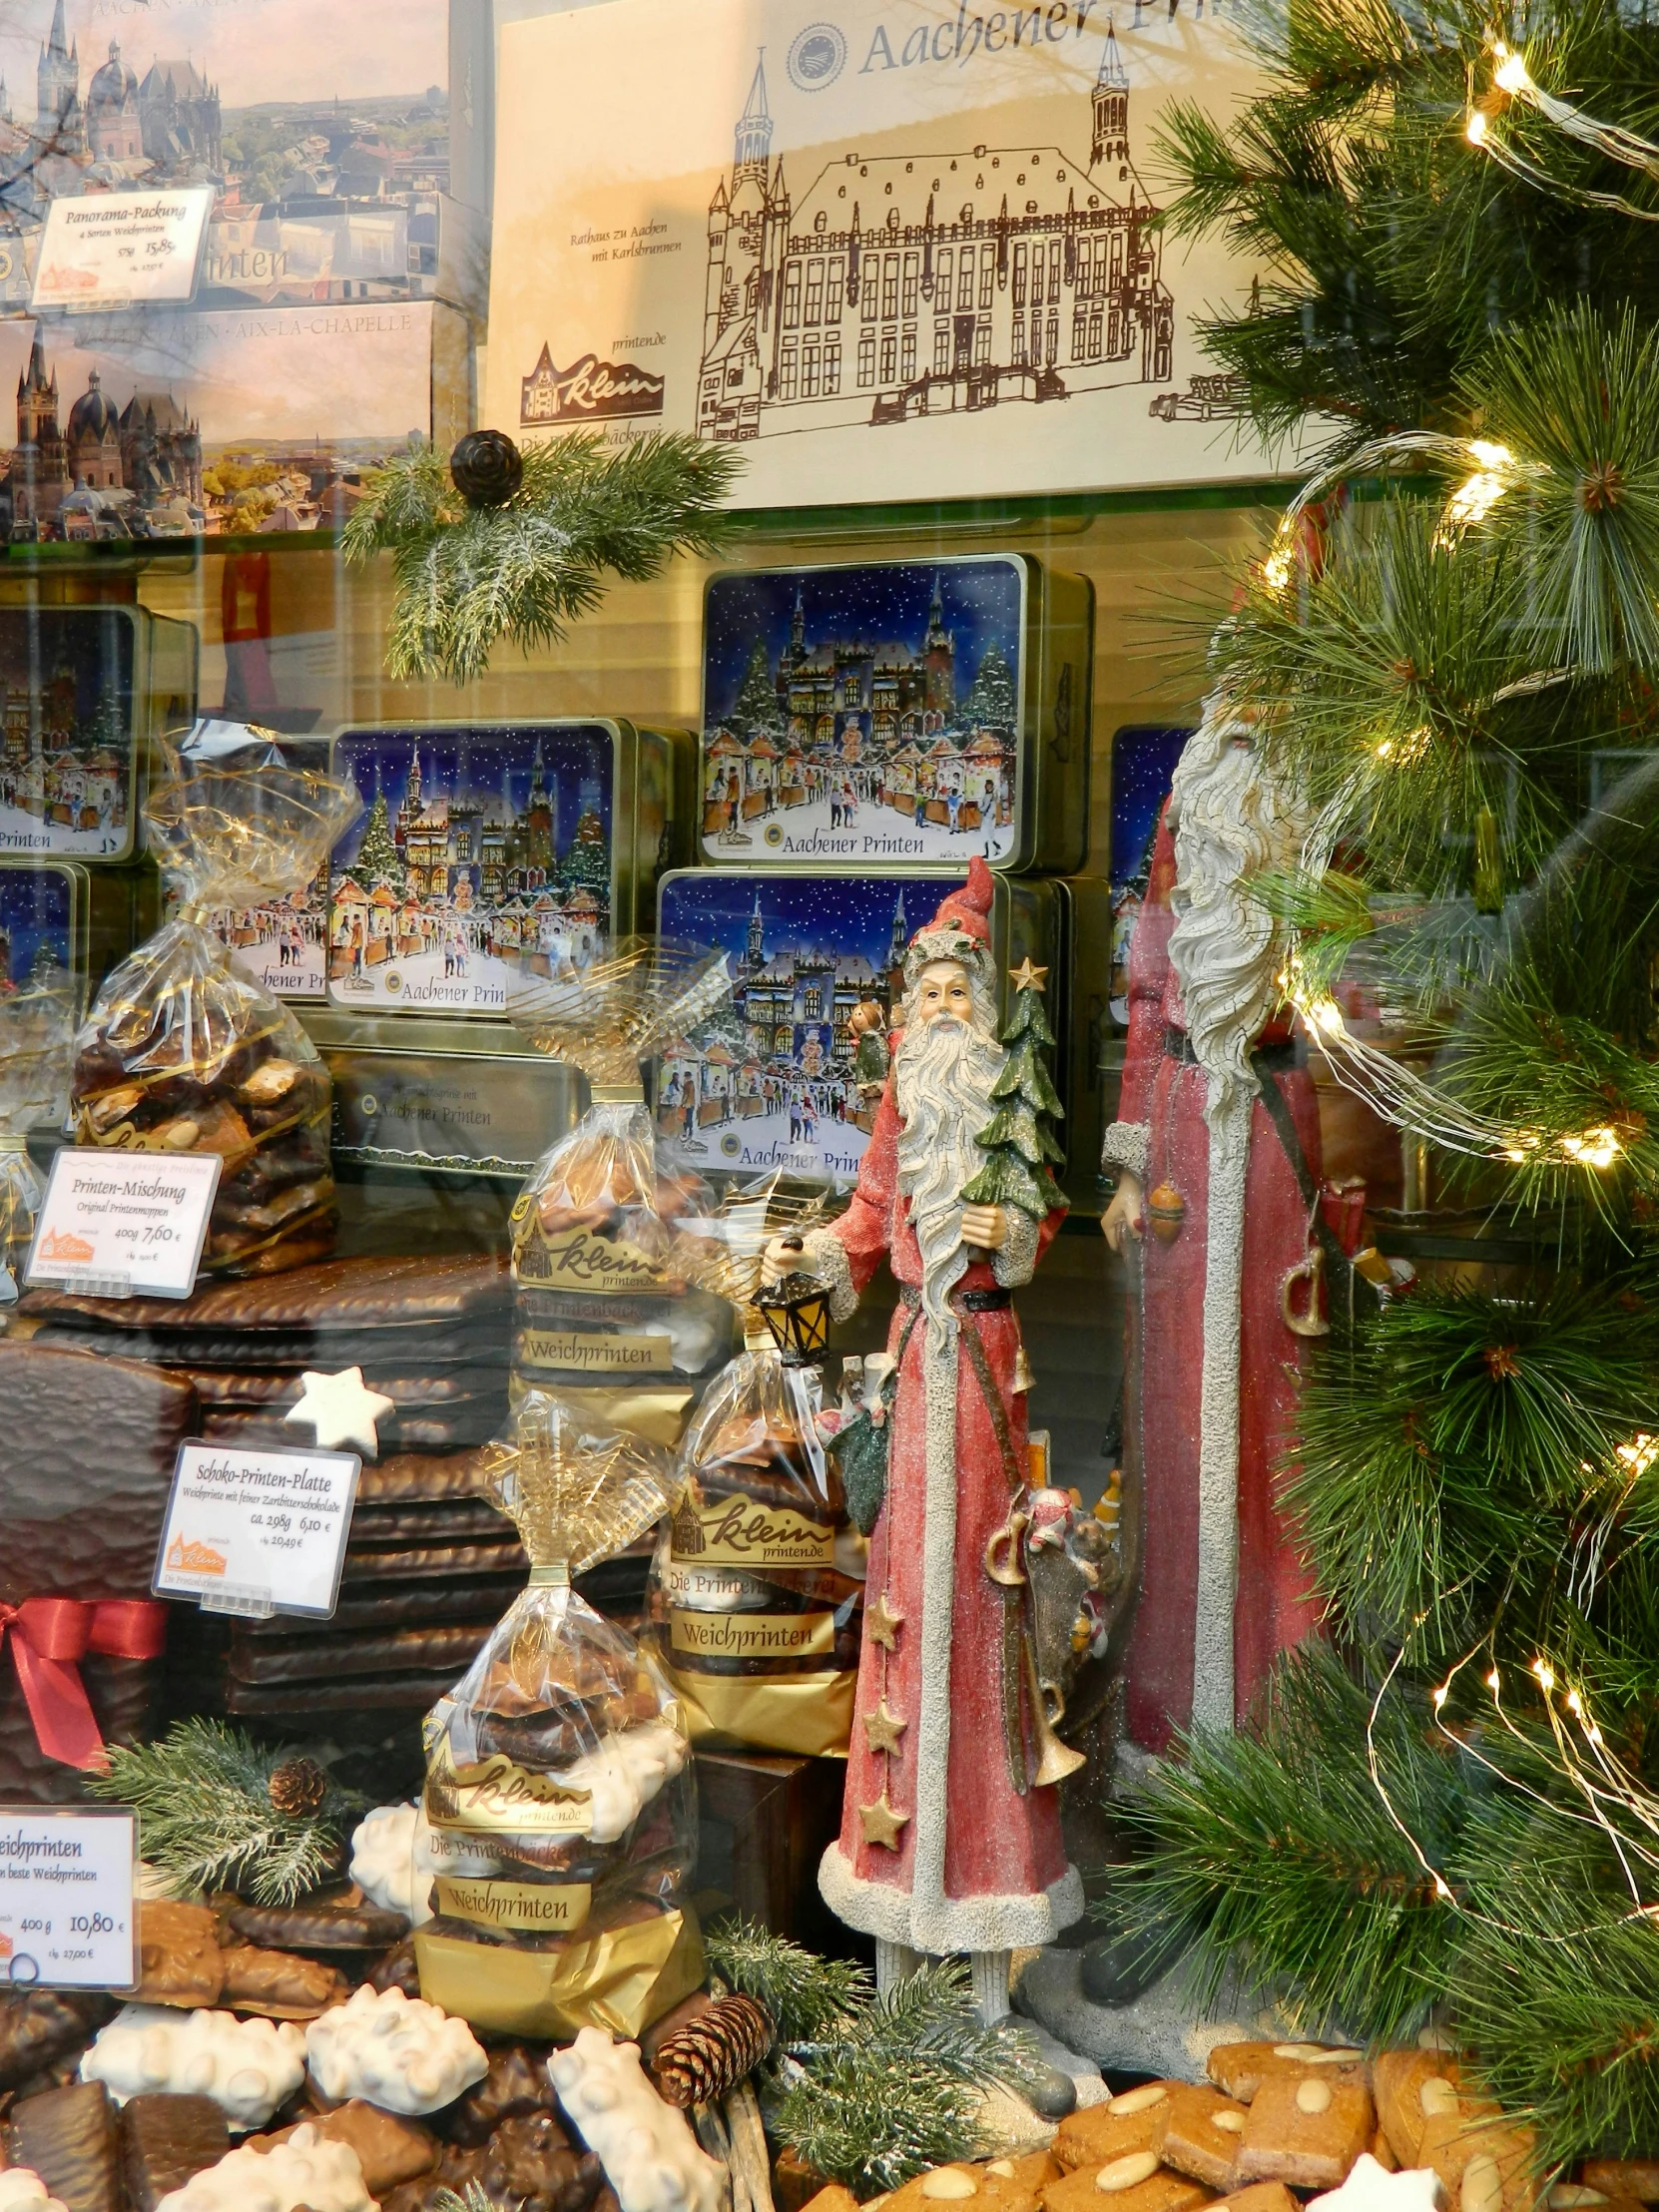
{"x": 83, "y": 694}
{"x": 485, "y": 848}
{"x": 906, "y": 714}
{"x": 788, "y": 1077}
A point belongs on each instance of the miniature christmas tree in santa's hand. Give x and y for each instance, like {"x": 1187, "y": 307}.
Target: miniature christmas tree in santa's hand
{"x": 1017, "y": 1138}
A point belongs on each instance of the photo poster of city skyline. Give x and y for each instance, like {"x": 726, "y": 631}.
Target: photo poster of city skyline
{"x": 478, "y": 852}
{"x": 864, "y": 714}
{"x": 893, "y": 249}
{"x": 772, "y": 1081}
{"x": 305, "y": 350}
{"x": 65, "y": 732}
{"x": 36, "y": 925}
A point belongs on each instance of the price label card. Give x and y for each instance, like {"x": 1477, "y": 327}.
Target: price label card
{"x": 123, "y": 1224}
{"x": 67, "y": 1915}
{"x": 256, "y": 1531}
{"x": 113, "y": 249}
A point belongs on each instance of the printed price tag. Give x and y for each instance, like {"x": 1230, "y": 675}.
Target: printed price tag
{"x": 256, "y": 1531}
{"x": 120, "y": 1224}
{"x": 106, "y": 249}
{"x": 67, "y": 1916}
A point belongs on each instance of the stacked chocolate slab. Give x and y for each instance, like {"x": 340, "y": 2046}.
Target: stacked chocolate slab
{"x": 430, "y": 1566}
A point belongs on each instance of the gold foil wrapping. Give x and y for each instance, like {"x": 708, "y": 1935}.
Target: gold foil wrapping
{"x": 616, "y": 1978}
{"x": 807, "y": 1715}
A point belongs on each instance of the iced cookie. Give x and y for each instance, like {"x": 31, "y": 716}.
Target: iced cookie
{"x": 1101, "y": 2132}
{"x": 1305, "y": 2129}
{"x": 1201, "y": 2135}
{"x": 1239, "y": 2069}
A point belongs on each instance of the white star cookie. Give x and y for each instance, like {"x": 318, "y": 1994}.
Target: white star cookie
{"x": 1372, "y": 2188}
{"x": 339, "y": 1409}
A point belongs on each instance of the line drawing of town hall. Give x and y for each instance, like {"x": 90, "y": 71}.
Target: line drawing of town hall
{"x": 929, "y": 283}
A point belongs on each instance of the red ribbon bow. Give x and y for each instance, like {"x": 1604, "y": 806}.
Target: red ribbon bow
{"x": 49, "y": 1636}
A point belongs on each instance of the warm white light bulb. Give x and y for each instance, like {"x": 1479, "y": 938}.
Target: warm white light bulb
{"x": 1512, "y": 74}
{"x": 1474, "y": 130}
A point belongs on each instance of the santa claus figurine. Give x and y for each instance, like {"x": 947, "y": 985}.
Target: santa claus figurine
{"x": 948, "y": 1842}
{"x": 1217, "y": 1159}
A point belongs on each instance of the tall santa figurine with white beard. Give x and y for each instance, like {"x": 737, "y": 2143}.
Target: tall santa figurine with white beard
{"x": 948, "y": 1843}
{"x": 1216, "y": 1158}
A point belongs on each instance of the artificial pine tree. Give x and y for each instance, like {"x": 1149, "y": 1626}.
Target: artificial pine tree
{"x": 1455, "y": 1803}
{"x": 991, "y": 703}
{"x": 1016, "y": 1140}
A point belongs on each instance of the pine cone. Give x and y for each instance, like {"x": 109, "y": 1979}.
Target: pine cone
{"x": 487, "y": 468}
{"x": 713, "y": 2053}
{"x": 297, "y": 1788}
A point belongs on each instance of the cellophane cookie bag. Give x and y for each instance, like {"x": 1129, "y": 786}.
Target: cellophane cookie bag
{"x": 756, "y": 1591}
{"x": 561, "y": 1760}
{"x": 605, "y": 1314}
{"x": 183, "y": 1055}
{"x": 37, "y": 1025}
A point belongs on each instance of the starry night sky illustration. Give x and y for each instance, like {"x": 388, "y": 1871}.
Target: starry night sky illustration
{"x": 461, "y": 763}
{"x": 871, "y": 605}
{"x": 843, "y": 914}
{"x": 1143, "y": 760}
{"x": 34, "y": 910}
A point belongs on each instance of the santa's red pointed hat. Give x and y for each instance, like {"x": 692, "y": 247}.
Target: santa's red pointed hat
{"x": 960, "y": 929}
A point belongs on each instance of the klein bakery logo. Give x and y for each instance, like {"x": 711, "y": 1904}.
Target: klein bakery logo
{"x": 194, "y": 1558}
{"x": 63, "y": 1244}
{"x": 817, "y": 58}
{"x": 590, "y": 390}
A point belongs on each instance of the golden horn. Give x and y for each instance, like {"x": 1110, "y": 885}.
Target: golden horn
{"x": 1055, "y": 1760}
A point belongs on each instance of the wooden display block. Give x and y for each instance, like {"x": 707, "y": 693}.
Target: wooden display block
{"x": 763, "y": 1822}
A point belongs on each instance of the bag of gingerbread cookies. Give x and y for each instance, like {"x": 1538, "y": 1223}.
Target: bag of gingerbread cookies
{"x": 608, "y": 1313}
{"x": 756, "y": 1592}
{"x": 181, "y": 1053}
{"x": 560, "y": 1763}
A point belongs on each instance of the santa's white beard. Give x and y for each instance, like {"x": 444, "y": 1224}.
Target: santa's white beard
{"x": 942, "y": 1074}
{"x": 1233, "y": 821}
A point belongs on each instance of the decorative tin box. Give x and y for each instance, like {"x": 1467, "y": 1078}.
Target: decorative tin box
{"x": 65, "y": 915}
{"x": 83, "y": 692}
{"x": 913, "y": 713}
{"x": 489, "y": 846}
{"x": 776, "y": 1084}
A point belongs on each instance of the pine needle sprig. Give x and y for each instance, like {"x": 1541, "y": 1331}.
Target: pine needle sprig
{"x": 1272, "y": 1851}
{"x": 807, "y": 1996}
{"x": 469, "y": 578}
{"x": 206, "y": 1815}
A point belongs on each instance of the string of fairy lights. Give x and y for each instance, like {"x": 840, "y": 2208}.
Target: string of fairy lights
{"x": 1610, "y": 1797}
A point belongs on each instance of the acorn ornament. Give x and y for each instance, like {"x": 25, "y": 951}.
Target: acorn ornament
{"x": 1166, "y": 1210}
{"x": 712, "y": 2054}
{"x": 487, "y": 468}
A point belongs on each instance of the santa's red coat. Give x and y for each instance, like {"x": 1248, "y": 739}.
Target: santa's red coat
{"x": 977, "y": 1867}
{"x": 1165, "y": 1096}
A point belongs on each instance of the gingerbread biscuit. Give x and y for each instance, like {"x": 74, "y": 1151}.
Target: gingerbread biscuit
{"x": 1239, "y": 2069}
{"x": 1201, "y": 2133}
{"x": 1454, "y": 2138}
{"x": 1259, "y": 2196}
{"x": 1399, "y": 2079}
{"x": 1307, "y": 2130}
{"x": 978, "y": 2187}
{"x": 179, "y": 1962}
{"x": 1035, "y": 2170}
{"x": 1382, "y": 2151}
{"x": 1636, "y": 2178}
{"x": 1133, "y": 2183}
{"x": 1101, "y": 2132}
{"x": 832, "y": 2198}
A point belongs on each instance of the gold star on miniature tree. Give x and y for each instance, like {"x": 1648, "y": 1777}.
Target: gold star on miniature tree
{"x": 1027, "y": 978}
{"x": 881, "y": 1823}
{"x": 882, "y": 1626}
{"x": 882, "y": 1728}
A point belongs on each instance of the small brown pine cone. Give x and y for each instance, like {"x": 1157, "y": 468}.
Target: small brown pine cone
{"x": 712, "y": 2054}
{"x": 297, "y": 1788}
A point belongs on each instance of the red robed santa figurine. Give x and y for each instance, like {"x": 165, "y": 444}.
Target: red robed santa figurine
{"x": 1217, "y": 1154}
{"x": 948, "y": 1843}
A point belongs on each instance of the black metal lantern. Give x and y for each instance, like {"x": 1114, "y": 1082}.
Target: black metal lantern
{"x": 796, "y": 1314}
